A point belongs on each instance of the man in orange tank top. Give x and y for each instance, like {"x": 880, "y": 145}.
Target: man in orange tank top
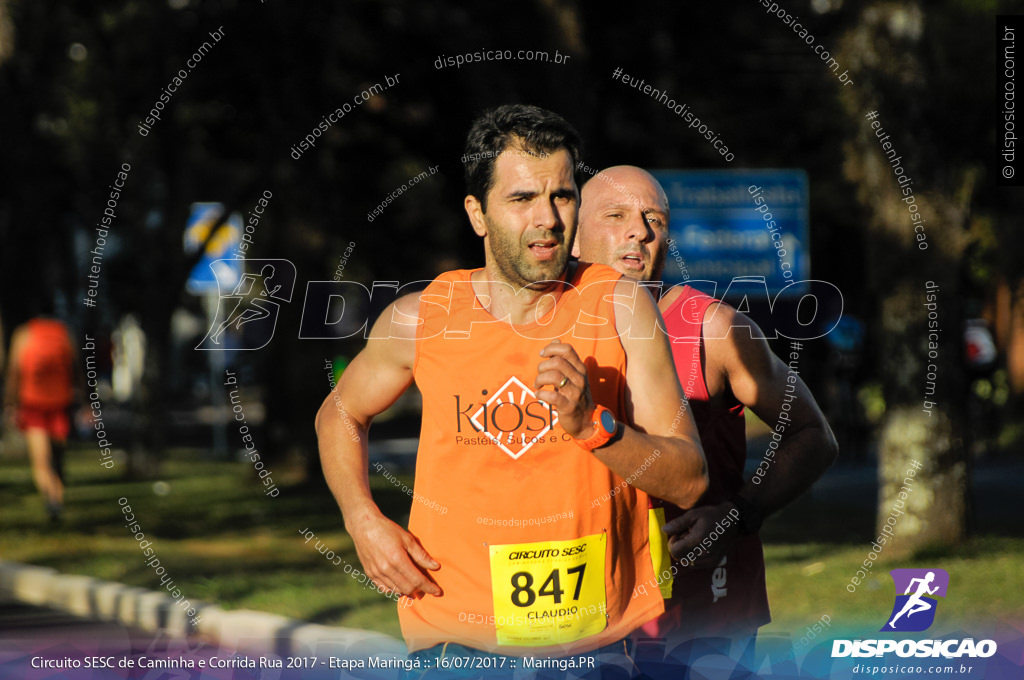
{"x": 545, "y": 389}
{"x": 39, "y": 389}
{"x": 726, "y": 365}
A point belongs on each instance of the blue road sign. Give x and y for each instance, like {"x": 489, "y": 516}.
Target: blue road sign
{"x": 730, "y": 223}
{"x": 203, "y": 278}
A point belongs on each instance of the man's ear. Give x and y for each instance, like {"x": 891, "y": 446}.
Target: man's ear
{"x": 476, "y": 215}
{"x": 576, "y": 243}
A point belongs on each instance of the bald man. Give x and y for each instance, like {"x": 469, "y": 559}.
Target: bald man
{"x": 725, "y": 366}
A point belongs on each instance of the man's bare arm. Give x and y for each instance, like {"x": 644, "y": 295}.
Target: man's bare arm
{"x": 738, "y": 358}
{"x": 660, "y": 432}
{"x": 758, "y": 379}
{"x": 375, "y": 378}
{"x": 13, "y": 375}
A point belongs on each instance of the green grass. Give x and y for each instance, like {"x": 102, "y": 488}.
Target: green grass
{"x": 222, "y": 540}
{"x": 218, "y": 536}
{"x": 806, "y": 581}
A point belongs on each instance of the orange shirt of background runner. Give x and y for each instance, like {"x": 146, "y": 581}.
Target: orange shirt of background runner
{"x": 45, "y": 366}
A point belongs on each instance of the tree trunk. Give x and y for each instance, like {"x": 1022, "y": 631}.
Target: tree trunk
{"x": 917, "y": 280}
{"x": 1015, "y": 342}
{"x": 922, "y": 479}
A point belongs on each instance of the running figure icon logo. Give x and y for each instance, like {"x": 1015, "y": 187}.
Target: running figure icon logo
{"x": 253, "y": 303}
{"x": 914, "y": 610}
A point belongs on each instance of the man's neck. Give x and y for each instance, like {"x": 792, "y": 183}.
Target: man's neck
{"x": 514, "y": 303}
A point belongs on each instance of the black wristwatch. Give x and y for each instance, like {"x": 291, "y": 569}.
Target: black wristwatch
{"x": 750, "y": 516}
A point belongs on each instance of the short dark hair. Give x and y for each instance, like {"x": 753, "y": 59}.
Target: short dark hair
{"x": 538, "y": 131}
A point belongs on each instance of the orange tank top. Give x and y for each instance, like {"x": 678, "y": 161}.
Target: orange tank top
{"x": 541, "y": 545}
{"x": 45, "y": 366}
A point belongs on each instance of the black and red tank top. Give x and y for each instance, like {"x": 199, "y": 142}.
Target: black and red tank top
{"x": 730, "y": 597}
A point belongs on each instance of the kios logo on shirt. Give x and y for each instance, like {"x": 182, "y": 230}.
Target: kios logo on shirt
{"x": 511, "y": 417}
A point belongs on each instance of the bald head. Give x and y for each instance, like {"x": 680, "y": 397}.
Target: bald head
{"x": 624, "y": 222}
{"x": 624, "y": 183}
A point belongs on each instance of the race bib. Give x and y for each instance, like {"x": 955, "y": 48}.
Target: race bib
{"x": 661, "y": 557}
{"x": 550, "y": 592}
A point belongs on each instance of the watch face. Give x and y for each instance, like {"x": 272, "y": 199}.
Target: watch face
{"x": 607, "y": 422}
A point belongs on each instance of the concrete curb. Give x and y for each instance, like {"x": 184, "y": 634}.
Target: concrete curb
{"x": 158, "y": 612}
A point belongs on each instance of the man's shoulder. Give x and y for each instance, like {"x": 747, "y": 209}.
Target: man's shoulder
{"x": 589, "y": 272}
{"x": 454, "y": 275}
{"x": 444, "y": 284}
{"x": 683, "y": 303}
{"x": 681, "y": 292}
{"x": 408, "y": 313}
{"x": 19, "y": 336}
{"x": 43, "y": 328}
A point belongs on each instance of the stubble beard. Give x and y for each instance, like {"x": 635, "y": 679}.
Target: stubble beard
{"x": 512, "y": 260}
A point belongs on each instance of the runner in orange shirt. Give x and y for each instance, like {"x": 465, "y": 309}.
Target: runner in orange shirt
{"x": 548, "y": 412}
{"x": 39, "y": 389}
